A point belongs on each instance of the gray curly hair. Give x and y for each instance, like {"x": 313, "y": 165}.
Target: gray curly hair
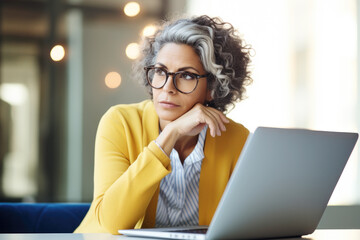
{"x": 222, "y": 53}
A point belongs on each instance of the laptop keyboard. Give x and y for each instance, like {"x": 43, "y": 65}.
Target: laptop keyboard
{"x": 199, "y": 231}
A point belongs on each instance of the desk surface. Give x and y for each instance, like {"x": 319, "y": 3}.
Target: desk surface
{"x": 317, "y": 235}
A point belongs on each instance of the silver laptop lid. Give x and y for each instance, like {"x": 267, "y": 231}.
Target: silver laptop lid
{"x": 281, "y": 184}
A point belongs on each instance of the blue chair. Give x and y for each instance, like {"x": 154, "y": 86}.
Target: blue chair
{"x": 41, "y": 217}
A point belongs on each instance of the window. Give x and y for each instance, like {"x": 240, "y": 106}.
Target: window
{"x": 304, "y": 69}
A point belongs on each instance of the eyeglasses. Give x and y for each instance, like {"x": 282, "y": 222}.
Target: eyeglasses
{"x": 184, "y": 82}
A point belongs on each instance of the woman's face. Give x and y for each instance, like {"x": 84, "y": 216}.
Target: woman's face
{"x": 169, "y": 103}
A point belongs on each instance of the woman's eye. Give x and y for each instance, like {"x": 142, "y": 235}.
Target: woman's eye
{"x": 187, "y": 76}
{"x": 160, "y": 72}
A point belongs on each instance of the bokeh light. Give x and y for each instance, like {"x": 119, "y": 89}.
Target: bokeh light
{"x": 57, "y": 53}
{"x": 132, "y": 50}
{"x": 112, "y": 80}
{"x": 132, "y": 9}
{"x": 149, "y": 30}
{"x": 15, "y": 94}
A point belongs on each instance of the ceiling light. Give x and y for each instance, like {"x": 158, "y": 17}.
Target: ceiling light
{"x": 133, "y": 51}
{"x": 112, "y": 80}
{"x": 132, "y": 9}
{"x": 57, "y": 53}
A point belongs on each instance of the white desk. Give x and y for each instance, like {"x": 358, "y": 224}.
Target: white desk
{"x": 317, "y": 235}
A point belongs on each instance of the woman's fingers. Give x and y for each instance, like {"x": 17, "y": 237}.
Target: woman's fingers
{"x": 220, "y": 118}
{"x": 213, "y": 125}
{"x": 216, "y": 121}
{"x": 192, "y": 122}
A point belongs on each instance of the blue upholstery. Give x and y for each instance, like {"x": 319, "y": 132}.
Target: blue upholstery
{"x": 41, "y": 217}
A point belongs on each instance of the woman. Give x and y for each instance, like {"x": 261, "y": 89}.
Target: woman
{"x": 166, "y": 161}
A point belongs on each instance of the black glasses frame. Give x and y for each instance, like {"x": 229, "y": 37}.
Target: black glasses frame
{"x": 173, "y": 74}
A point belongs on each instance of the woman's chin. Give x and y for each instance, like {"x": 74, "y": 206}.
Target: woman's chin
{"x": 168, "y": 117}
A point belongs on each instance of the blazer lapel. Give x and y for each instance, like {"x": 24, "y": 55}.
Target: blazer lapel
{"x": 150, "y": 133}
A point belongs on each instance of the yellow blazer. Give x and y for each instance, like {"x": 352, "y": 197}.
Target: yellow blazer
{"x": 129, "y": 167}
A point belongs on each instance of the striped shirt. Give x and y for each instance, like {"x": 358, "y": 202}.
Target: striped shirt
{"x": 178, "y": 202}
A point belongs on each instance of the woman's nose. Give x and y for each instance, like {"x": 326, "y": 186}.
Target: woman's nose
{"x": 169, "y": 85}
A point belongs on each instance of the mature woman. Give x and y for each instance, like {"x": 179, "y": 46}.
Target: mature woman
{"x": 166, "y": 161}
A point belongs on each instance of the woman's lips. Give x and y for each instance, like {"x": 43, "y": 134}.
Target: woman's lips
{"x": 167, "y": 104}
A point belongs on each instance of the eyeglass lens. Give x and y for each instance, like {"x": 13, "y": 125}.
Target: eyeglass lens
{"x": 183, "y": 81}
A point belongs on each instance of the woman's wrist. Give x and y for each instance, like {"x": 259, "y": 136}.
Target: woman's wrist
{"x": 167, "y": 138}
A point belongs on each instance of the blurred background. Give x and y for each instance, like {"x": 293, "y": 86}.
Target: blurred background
{"x": 63, "y": 63}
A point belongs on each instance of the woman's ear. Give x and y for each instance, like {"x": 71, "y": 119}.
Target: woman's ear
{"x": 209, "y": 96}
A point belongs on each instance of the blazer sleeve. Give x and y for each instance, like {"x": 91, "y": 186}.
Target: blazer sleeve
{"x": 123, "y": 187}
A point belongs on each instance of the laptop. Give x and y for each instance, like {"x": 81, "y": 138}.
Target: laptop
{"x": 280, "y": 187}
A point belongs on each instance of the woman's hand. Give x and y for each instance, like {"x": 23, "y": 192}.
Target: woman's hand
{"x": 191, "y": 124}
{"x": 193, "y": 121}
